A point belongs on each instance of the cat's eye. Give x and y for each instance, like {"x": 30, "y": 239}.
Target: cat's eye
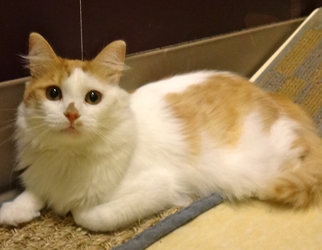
{"x": 53, "y": 93}
{"x": 93, "y": 97}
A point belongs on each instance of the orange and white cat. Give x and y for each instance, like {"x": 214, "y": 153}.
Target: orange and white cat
{"x": 110, "y": 158}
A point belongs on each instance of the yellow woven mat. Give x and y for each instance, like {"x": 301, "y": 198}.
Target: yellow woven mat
{"x": 297, "y": 73}
{"x": 51, "y": 231}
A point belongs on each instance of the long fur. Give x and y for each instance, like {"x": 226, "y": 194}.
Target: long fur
{"x": 131, "y": 155}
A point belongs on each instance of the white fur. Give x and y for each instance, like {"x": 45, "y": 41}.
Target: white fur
{"x": 130, "y": 158}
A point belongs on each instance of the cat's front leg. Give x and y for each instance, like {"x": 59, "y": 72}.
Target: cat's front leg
{"x": 116, "y": 214}
{"x": 22, "y": 209}
{"x": 140, "y": 196}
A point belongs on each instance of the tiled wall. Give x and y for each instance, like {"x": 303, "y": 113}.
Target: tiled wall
{"x": 80, "y": 28}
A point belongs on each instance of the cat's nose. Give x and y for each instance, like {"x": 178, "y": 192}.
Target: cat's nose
{"x": 71, "y": 116}
{"x": 71, "y": 113}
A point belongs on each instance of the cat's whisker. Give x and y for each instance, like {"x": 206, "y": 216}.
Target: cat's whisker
{"x": 8, "y": 109}
{"x": 6, "y": 127}
{"x": 33, "y": 109}
{"x": 10, "y": 138}
{"x": 38, "y": 114}
{"x": 37, "y": 119}
{"x": 13, "y": 170}
{"x": 32, "y": 129}
{"x": 7, "y": 124}
{"x": 35, "y": 124}
{"x": 101, "y": 134}
{"x": 37, "y": 111}
{"x": 44, "y": 132}
{"x": 90, "y": 135}
{"x": 8, "y": 121}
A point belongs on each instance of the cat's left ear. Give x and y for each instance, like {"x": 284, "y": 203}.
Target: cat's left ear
{"x": 112, "y": 57}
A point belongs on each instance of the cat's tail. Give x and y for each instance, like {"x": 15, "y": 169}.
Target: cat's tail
{"x": 300, "y": 184}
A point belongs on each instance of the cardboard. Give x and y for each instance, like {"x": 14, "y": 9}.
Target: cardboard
{"x": 242, "y": 52}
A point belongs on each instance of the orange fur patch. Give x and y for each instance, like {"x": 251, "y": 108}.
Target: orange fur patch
{"x": 36, "y": 90}
{"x": 218, "y": 107}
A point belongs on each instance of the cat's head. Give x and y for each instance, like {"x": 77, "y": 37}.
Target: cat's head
{"x": 72, "y": 98}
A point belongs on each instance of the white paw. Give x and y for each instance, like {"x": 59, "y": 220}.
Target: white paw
{"x": 96, "y": 219}
{"x": 13, "y": 213}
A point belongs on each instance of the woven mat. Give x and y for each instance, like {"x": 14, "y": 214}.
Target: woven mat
{"x": 297, "y": 73}
{"x": 51, "y": 231}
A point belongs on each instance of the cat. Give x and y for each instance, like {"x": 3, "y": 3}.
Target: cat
{"x": 111, "y": 158}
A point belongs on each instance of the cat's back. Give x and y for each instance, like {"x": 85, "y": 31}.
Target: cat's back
{"x": 198, "y": 92}
{"x": 181, "y": 83}
{"x": 215, "y": 106}
{"x": 187, "y": 86}
{"x": 181, "y": 111}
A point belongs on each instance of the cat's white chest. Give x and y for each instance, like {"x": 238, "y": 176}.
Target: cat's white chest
{"x": 58, "y": 178}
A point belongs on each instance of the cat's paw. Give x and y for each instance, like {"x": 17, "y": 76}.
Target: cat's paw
{"x": 96, "y": 219}
{"x": 13, "y": 214}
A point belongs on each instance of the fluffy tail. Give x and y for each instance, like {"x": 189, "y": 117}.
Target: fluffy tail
{"x": 299, "y": 182}
{"x": 300, "y": 189}
{"x": 299, "y": 185}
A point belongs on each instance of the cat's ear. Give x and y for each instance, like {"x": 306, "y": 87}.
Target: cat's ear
{"x": 41, "y": 56}
{"x": 112, "y": 54}
{"x": 112, "y": 57}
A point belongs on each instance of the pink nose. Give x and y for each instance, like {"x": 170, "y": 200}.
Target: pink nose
{"x": 71, "y": 117}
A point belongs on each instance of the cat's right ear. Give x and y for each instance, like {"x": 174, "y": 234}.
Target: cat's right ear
{"x": 112, "y": 55}
{"x": 41, "y": 56}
